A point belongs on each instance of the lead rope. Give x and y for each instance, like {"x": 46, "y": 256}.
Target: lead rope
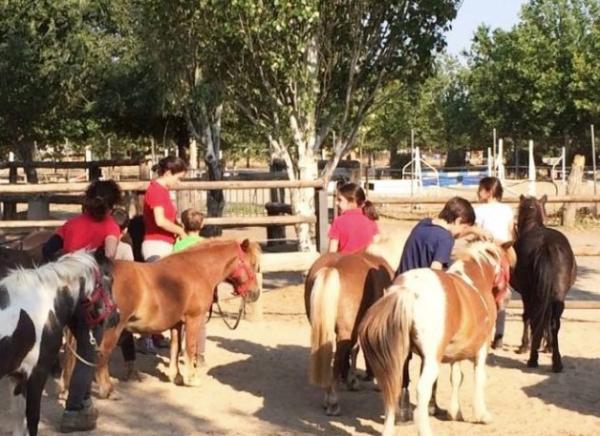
{"x": 93, "y": 343}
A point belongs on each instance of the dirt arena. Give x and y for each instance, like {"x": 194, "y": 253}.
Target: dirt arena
{"x": 256, "y": 380}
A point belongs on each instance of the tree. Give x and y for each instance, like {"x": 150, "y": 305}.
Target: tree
{"x": 537, "y": 80}
{"x": 302, "y": 70}
{"x": 50, "y": 52}
{"x": 176, "y": 36}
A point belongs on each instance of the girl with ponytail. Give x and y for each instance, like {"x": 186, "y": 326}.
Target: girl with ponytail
{"x": 355, "y": 228}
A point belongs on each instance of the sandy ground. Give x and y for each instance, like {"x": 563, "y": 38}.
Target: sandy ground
{"x": 256, "y": 380}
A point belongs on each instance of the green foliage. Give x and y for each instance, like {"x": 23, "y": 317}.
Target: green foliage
{"x": 49, "y": 53}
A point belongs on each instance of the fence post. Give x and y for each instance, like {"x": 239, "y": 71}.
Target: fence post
{"x": 573, "y": 188}
{"x": 322, "y": 210}
{"x": 531, "y": 169}
{"x": 9, "y": 211}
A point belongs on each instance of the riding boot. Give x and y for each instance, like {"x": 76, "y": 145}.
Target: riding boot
{"x": 406, "y": 413}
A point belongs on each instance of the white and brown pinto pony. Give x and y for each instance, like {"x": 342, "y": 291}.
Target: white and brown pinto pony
{"x": 35, "y": 306}
{"x": 445, "y": 317}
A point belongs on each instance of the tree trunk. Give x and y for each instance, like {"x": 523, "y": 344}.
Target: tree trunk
{"x": 215, "y": 200}
{"x": 28, "y": 154}
{"x": 573, "y": 188}
{"x": 303, "y": 200}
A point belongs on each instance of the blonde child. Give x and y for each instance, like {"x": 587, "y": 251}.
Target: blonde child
{"x": 192, "y": 224}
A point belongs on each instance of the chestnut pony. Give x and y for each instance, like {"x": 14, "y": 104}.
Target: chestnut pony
{"x": 444, "y": 316}
{"x": 175, "y": 290}
{"x": 338, "y": 290}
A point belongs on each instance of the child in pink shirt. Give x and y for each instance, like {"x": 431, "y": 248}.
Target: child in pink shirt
{"x": 355, "y": 228}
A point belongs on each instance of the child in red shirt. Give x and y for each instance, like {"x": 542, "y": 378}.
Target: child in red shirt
{"x": 355, "y": 228}
{"x": 159, "y": 210}
{"x": 94, "y": 228}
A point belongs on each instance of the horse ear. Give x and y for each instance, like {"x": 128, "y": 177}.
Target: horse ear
{"x": 245, "y": 245}
{"x": 521, "y": 197}
{"x": 544, "y": 199}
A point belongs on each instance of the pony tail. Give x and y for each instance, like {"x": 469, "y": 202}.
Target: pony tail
{"x": 325, "y": 294}
{"x": 369, "y": 210}
{"x": 384, "y": 336}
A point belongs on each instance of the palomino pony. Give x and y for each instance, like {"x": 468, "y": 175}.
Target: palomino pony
{"x": 338, "y": 291}
{"x": 442, "y": 316}
{"x": 545, "y": 272}
{"x": 35, "y": 306}
{"x": 176, "y": 290}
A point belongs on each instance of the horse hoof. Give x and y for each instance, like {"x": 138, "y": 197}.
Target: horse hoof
{"x": 455, "y": 416}
{"x": 104, "y": 393}
{"x": 484, "y": 418}
{"x": 532, "y": 364}
{"x": 178, "y": 380}
{"x": 333, "y": 410}
{"x": 193, "y": 382}
{"x": 557, "y": 367}
{"x": 353, "y": 385}
{"x": 436, "y": 411}
{"x": 405, "y": 415}
{"x": 522, "y": 350}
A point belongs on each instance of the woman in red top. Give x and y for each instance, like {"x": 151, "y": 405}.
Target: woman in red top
{"x": 355, "y": 228}
{"x": 160, "y": 212}
{"x": 94, "y": 228}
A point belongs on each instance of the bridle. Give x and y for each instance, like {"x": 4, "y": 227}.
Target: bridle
{"x": 99, "y": 294}
{"x": 242, "y": 266}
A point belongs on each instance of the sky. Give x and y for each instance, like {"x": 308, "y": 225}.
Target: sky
{"x": 494, "y": 13}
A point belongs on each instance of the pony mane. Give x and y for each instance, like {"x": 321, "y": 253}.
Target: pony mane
{"x": 55, "y": 275}
{"x": 254, "y": 250}
{"x": 478, "y": 251}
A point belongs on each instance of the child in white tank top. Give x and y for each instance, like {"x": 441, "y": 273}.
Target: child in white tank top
{"x": 497, "y": 219}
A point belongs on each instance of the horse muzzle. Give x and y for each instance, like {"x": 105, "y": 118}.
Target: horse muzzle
{"x": 252, "y": 295}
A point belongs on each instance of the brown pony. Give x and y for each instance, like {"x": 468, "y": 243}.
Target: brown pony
{"x": 29, "y": 254}
{"x": 442, "y": 316}
{"x": 338, "y": 291}
{"x": 176, "y": 290}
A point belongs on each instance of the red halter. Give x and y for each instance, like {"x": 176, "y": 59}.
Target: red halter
{"x": 97, "y": 295}
{"x": 235, "y": 278}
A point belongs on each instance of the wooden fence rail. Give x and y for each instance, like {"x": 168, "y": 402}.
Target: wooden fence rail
{"x": 221, "y": 221}
{"x": 49, "y": 188}
{"x": 378, "y": 199}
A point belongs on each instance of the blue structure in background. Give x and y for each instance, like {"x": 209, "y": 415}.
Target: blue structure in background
{"x": 453, "y": 178}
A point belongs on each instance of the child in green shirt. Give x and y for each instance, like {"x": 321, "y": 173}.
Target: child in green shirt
{"x": 192, "y": 223}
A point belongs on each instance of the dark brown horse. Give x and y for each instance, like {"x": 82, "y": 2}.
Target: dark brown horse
{"x": 545, "y": 272}
{"x": 176, "y": 290}
{"x": 29, "y": 254}
{"x": 442, "y": 316}
{"x": 338, "y": 291}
